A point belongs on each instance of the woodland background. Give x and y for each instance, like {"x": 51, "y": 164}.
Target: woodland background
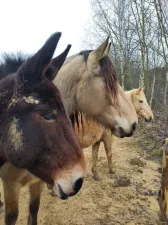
{"x": 138, "y": 30}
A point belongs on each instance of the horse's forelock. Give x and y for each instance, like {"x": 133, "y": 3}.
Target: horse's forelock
{"x": 108, "y": 73}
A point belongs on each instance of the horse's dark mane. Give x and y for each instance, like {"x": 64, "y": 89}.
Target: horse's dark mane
{"x": 75, "y": 118}
{"x": 10, "y": 63}
{"x": 85, "y": 54}
{"x": 107, "y": 71}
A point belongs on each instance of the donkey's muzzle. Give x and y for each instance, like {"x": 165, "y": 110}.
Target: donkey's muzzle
{"x": 77, "y": 186}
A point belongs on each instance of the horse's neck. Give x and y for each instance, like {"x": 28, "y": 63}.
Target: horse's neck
{"x": 129, "y": 95}
{"x": 67, "y": 81}
{"x": 6, "y": 91}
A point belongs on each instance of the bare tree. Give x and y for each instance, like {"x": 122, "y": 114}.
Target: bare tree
{"x": 162, "y": 16}
{"x": 138, "y": 32}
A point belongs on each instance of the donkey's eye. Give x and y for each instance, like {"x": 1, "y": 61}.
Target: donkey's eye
{"x": 140, "y": 101}
{"x": 49, "y": 116}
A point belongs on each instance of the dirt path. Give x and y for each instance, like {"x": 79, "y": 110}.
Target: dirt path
{"x": 127, "y": 197}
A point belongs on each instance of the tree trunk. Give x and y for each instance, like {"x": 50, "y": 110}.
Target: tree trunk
{"x": 166, "y": 88}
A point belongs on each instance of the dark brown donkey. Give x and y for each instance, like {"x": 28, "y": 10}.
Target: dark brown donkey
{"x": 35, "y": 133}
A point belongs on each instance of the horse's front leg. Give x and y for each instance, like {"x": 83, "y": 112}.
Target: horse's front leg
{"x": 34, "y": 204}
{"x": 108, "y": 140}
{"x": 11, "y": 198}
{"x": 95, "y": 150}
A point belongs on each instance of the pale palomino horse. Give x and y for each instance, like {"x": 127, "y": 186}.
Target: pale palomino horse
{"x": 96, "y": 133}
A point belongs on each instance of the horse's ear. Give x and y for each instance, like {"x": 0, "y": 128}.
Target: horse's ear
{"x": 137, "y": 91}
{"x": 99, "y": 52}
{"x": 107, "y": 51}
{"x": 56, "y": 64}
{"x": 141, "y": 89}
{"x": 31, "y": 72}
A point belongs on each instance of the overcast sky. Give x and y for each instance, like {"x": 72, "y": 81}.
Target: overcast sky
{"x": 26, "y": 24}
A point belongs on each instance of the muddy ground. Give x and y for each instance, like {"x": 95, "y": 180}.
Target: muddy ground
{"x": 128, "y": 197}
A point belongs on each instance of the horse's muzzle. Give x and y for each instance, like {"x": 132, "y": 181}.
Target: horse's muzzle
{"x": 124, "y": 134}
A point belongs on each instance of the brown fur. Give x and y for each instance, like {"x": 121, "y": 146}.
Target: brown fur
{"x": 36, "y": 134}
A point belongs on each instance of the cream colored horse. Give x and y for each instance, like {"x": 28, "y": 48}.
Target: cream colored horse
{"x": 89, "y": 85}
{"x": 138, "y": 99}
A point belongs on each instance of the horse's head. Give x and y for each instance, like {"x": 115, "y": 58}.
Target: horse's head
{"x": 37, "y": 133}
{"x": 97, "y": 93}
{"x": 141, "y": 105}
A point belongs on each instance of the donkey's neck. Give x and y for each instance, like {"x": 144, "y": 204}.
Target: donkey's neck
{"x": 6, "y": 91}
{"x": 68, "y": 79}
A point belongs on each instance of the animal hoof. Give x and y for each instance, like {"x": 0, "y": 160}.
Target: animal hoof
{"x": 53, "y": 194}
{"x": 49, "y": 186}
{"x": 1, "y": 207}
{"x": 1, "y": 203}
{"x": 96, "y": 177}
{"x": 112, "y": 171}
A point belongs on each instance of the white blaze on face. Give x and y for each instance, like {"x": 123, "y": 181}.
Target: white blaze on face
{"x": 15, "y": 134}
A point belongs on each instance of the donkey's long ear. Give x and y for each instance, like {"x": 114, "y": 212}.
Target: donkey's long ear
{"x": 30, "y": 73}
{"x": 56, "y": 64}
{"x": 99, "y": 52}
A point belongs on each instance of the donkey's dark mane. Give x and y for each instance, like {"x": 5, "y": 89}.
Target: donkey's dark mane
{"x": 10, "y": 63}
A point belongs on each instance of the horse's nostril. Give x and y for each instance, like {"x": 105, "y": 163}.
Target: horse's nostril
{"x": 78, "y": 184}
{"x": 134, "y": 127}
{"x": 122, "y": 133}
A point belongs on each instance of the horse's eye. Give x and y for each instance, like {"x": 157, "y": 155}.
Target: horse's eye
{"x": 140, "y": 101}
{"x": 49, "y": 116}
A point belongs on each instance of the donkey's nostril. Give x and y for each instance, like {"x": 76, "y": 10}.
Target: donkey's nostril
{"x": 63, "y": 196}
{"x": 134, "y": 127}
{"x": 78, "y": 184}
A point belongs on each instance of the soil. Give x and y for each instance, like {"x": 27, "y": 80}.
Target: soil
{"x": 128, "y": 197}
